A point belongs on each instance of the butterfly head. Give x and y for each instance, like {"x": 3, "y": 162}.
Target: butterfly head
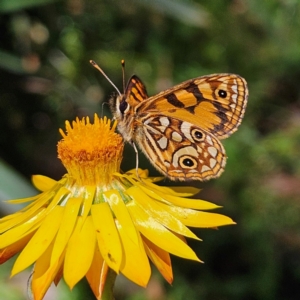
{"x": 119, "y": 106}
{"x": 121, "y": 111}
{"x": 125, "y": 104}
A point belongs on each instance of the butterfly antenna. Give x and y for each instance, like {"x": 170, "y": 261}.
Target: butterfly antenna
{"x": 95, "y": 65}
{"x": 123, "y": 73}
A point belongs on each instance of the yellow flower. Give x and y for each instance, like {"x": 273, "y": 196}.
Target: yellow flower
{"x": 95, "y": 219}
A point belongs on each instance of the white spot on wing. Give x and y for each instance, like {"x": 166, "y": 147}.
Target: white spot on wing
{"x": 162, "y": 129}
{"x": 208, "y": 139}
{"x": 234, "y": 87}
{"x": 234, "y": 97}
{"x": 186, "y": 129}
{"x": 164, "y": 121}
{"x": 176, "y": 136}
{"x": 212, "y": 163}
{"x": 163, "y": 143}
{"x": 148, "y": 121}
{"x": 199, "y": 149}
{"x": 212, "y": 151}
{"x": 205, "y": 168}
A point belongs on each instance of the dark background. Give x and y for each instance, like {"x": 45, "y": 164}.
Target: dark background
{"x": 46, "y": 78}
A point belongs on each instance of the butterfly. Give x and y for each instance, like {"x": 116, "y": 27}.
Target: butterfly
{"x": 179, "y": 130}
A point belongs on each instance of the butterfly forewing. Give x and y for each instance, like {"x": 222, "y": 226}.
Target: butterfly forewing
{"x": 215, "y": 103}
{"x": 135, "y": 91}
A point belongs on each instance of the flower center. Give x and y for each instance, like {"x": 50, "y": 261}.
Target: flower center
{"x": 91, "y": 153}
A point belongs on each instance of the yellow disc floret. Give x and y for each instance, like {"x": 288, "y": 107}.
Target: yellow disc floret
{"x": 91, "y": 153}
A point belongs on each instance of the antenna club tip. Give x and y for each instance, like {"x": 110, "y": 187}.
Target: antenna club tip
{"x": 123, "y": 62}
{"x": 92, "y": 62}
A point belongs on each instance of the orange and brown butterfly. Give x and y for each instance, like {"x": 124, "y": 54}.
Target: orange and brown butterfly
{"x": 180, "y": 129}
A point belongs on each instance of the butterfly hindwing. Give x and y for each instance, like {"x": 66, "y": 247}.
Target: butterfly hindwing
{"x": 182, "y": 150}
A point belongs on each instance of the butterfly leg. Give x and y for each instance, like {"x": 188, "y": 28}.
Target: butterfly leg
{"x": 104, "y": 103}
{"x": 136, "y": 159}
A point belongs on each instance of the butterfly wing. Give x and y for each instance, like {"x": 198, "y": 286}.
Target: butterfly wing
{"x": 215, "y": 103}
{"x": 180, "y": 149}
{"x": 179, "y": 129}
{"x": 135, "y": 91}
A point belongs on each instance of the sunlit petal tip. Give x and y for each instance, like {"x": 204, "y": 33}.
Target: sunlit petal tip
{"x": 43, "y": 183}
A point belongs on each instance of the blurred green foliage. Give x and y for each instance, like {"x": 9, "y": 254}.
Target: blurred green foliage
{"x": 46, "y": 78}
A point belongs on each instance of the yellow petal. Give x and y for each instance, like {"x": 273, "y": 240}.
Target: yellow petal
{"x": 119, "y": 209}
{"x": 60, "y": 272}
{"x": 9, "y": 217}
{"x": 26, "y": 215}
{"x": 166, "y": 194}
{"x": 200, "y": 219}
{"x": 140, "y": 172}
{"x": 135, "y": 265}
{"x": 178, "y": 201}
{"x": 88, "y": 200}
{"x": 179, "y": 191}
{"x": 13, "y": 235}
{"x": 60, "y": 194}
{"x": 40, "y": 241}
{"x": 14, "y": 248}
{"x": 96, "y": 275}
{"x": 22, "y": 200}
{"x": 44, "y": 273}
{"x": 80, "y": 252}
{"x": 107, "y": 235}
{"x": 31, "y": 213}
{"x": 33, "y": 223}
{"x": 45, "y": 197}
{"x": 183, "y": 191}
{"x": 160, "y": 258}
{"x": 158, "y": 234}
{"x": 158, "y": 213}
{"x": 43, "y": 183}
{"x": 67, "y": 226}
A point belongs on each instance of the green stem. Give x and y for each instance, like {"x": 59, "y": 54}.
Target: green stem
{"x": 109, "y": 285}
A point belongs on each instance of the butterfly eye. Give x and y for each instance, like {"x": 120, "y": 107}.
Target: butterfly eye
{"x": 123, "y": 106}
{"x": 197, "y": 135}
{"x": 222, "y": 93}
{"x": 187, "y": 162}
